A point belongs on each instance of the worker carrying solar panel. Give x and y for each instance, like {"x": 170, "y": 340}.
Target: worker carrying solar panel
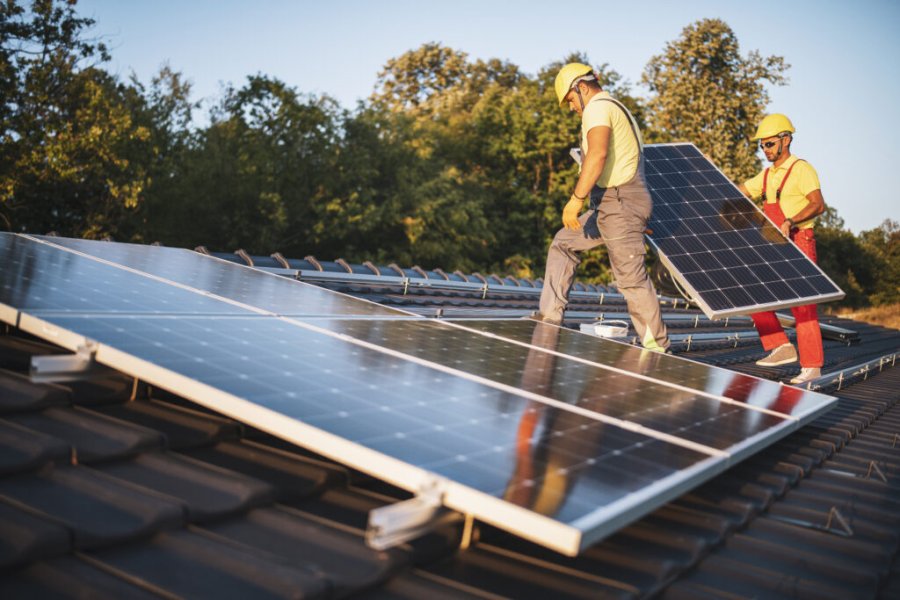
{"x": 792, "y": 199}
{"x": 612, "y": 176}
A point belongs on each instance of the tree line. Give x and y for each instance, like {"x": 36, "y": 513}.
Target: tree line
{"x": 454, "y": 162}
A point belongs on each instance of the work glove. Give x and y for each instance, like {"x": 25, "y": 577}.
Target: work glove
{"x": 571, "y": 211}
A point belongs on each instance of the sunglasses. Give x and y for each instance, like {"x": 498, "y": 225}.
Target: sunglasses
{"x": 767, "y": 145}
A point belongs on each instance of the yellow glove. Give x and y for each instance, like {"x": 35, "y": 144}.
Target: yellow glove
{"x": 571, "y": 211}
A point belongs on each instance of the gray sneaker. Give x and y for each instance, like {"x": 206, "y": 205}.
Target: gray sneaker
{"x": 807, "y": 374}
{"x": 782, "y": 355}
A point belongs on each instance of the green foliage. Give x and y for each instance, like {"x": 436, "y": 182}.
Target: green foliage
{"x": 705, "y": 92}
{"x": 73, "y": 155}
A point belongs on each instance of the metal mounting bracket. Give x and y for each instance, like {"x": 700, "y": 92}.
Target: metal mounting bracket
{"x": 67, "y": 367}
{"x": 402, "y": 521}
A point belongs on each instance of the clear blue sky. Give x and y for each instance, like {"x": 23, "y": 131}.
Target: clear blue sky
{"x": 844, "y": 56}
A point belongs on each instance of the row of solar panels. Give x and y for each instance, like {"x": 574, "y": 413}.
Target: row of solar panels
{"x": 556, "y": 436}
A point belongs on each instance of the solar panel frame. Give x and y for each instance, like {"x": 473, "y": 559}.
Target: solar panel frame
{"x": 727, "y": 270}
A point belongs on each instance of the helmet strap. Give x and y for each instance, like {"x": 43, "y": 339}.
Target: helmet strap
{"x": 580, "y": 98}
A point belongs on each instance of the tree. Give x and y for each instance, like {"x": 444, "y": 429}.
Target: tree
{"x": 883, "y": 243}
{"x": 704, "y": 91}
{"x": 260, "y": 177}
{"x": 73, "y": 156}
{"x": 853, "y": 267}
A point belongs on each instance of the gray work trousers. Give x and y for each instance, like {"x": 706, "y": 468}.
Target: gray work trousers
{"x": 621, "y": 216}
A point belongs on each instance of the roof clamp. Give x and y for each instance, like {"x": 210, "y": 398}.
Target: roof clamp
{"x": 484, "y": 291}
{"x": 835, "y": 515}
{"x": 406, "y": 520}
{"x": 405, "y": 285}
{"x": 67, "y": 367}
{"x": 873, "y": 467}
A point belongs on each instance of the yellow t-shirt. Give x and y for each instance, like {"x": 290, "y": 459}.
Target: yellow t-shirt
{"x": 623, "y": 153}
{"x": 802, "y": 181}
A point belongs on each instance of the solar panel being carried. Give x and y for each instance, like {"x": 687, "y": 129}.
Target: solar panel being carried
{"x": 718, "y": 245}
{"x": 556, "y": 438}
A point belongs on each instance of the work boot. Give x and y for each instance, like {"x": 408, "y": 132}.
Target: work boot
{"x": 782, "y": 355}
{"x": 807, "y": 374}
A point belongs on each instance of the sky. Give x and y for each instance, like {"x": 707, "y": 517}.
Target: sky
{"x": 844, "y": 79}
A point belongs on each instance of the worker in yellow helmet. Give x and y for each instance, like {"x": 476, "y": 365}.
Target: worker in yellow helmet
{"x": 792, "y": 199}
{"x": 612, "y": 177}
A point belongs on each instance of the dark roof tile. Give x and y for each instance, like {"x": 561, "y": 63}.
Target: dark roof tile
{"x": 206, "y": 491}
{"x": 94, "y": 437}
{"x": 23, "y": 449}
{"x": 339, "y": 555}
{"x": 69, "y": 577}
{"x": 192, "y": 565}
{"x": 25, "y": 538}
{"x": 292, "y": 476}
{"x": 19, "y": 394}
{"x": 183, "y": 428}
{"x": 97, "y": 509}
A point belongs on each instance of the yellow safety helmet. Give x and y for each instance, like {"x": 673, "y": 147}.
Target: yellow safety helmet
{"x": 568, "y": 76}
{"x": 772, "y": 125}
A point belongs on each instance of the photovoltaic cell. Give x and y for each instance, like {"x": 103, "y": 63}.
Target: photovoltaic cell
{"x": 39, "y": 278}
{"x": 244, "y": 285}
{"x": 609, "y": 388}
{"x": 552, "y": 461}
{"x": 755, "y": 392}
{"x": 720, "y": 247}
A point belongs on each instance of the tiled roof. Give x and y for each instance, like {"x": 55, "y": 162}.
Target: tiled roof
{"x": 111, "y": 489}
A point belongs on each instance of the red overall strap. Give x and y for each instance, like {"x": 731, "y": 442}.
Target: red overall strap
{"x": 783, "y": 181}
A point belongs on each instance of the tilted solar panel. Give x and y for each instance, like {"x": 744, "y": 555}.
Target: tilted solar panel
{"x": 555, "y": 436}
{"x": 718, "y": 245}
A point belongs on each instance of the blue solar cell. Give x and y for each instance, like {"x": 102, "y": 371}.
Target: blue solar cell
{"x": 698, "y": 211}
{"x": 238, "y": 283}
{"x": 38, "y": 278}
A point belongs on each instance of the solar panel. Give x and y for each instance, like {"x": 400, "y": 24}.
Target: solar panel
{"x": 238, "y": 283}
{"x": 559, "y": 439}
{"x": 539, "y": 469}
{"x": 718, "y": 245}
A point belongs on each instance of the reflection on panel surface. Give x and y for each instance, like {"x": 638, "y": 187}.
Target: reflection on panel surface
{"x": 686, "y": 414}
{"x": 721, "y": 245}
{"x": 788, "y": 400}
{"x": 248, "y": 286}
{"x": 36, "y": 277}
{"x": 546, "y": 459}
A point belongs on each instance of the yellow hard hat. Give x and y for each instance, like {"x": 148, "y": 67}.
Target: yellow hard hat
{"x": 567, "y": 76}
{"x": 772, "y": 125}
